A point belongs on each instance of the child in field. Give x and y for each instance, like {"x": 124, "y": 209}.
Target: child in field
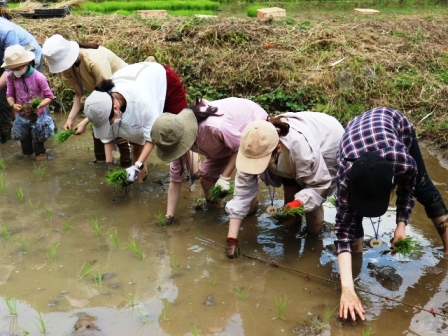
{"x": 28, "y": 94}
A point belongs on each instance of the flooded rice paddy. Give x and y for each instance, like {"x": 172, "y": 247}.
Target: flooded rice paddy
{"x": 66, "y": 261}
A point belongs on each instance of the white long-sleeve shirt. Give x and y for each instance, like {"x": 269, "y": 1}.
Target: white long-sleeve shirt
{"x": 308, "y": 155}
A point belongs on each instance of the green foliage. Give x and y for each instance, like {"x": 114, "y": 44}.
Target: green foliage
{"x": 252, "y": 10}
{"x": 133, "y": 247}
{"x": 294, "y": 212}
{"x": 62, "y": 136}
{"x": 86, "y": 269}
{"x": 215, "y": 193}
{"x": 281, "y": 304}
{"x": 2, "y": 164}
{"x": 332, "y": 200}
{"x": 39, "y": 170}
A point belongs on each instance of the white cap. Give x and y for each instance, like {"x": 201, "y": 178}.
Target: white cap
{"x": 60, "y": 53}
{"x": 97, "y": 108}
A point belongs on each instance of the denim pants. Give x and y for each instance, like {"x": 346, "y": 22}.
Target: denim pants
{"x": 425, "y": 191}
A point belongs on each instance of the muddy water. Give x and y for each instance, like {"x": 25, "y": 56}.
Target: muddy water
{"x": 185, "y": 285}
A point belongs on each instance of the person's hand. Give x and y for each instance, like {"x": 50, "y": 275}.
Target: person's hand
{"x": 293, "y": 204}
{"x": 132, "y": 174}
{"x": 17, "y": 107}
{"x": 224, "y": 183}
{"x": 350, "y": 305}
{"x": 80, "y": 128}
{"x": 399, "y": 234}
{"x": 68, "y": 124}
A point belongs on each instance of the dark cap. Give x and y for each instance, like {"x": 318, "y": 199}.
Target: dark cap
{"x": 371, "y": 182}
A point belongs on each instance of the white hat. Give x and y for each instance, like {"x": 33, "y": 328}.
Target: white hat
{"x": 60, "y": 53}
{"x": 97, "y": 108}
{"x": 16, "y": 55}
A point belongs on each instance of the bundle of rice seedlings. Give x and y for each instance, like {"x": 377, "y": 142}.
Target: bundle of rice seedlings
{"x": 406, "y": 247}
{"x": 62, "y": 136}
{"x": 117, "y": 178}
{"x": 332, "y": 200}
{"x": 216, "y": 192}
{"x": 294, "y": 212}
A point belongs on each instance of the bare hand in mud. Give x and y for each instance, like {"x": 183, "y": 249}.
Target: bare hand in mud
{"x": 350, "y": 305}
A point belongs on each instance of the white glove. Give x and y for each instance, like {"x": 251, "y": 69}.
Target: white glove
{"x": 224, "y": 183}
{"x": 132, "y": 173}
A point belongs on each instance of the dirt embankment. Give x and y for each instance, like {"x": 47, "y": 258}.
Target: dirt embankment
{"x": 393, "y": 60}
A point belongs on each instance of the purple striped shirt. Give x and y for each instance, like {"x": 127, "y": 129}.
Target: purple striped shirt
{"x": 390, "y": 134}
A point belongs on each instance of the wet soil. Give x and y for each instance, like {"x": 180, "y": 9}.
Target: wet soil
{"x": 184, "y": 285}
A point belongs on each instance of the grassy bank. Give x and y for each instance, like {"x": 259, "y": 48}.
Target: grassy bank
{"x": 339, "y": 64}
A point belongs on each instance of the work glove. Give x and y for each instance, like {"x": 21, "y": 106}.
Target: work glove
{"x": 293, "y": 204}
{"x": 224, "y": 183}
{"x": 132, "y": 173}
{"x": 232, "y": 249}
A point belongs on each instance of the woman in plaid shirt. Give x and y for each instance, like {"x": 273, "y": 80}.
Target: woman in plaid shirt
{"x": 379, "y": 152}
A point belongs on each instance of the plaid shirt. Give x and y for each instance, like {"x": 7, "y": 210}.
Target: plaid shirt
{"x": 390, "y": 134}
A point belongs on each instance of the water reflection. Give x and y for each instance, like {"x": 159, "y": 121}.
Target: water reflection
{"x": 170, "y": 291}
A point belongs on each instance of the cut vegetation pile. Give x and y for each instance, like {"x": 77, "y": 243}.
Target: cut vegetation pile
{"x": 339, "y": 64}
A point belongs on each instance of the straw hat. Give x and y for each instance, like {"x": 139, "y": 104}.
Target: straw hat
{"x": 60, "y": 53}
{"x": 258, "y": 141}
{"x": 174, "y": 134}
{"x": 16, "y": 55}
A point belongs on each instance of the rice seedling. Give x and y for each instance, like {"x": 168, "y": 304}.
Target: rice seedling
{"x": 160, "y": 220}
{"x": 5, "y": 232}
{"x": 406, "y": 247}
{"x": 67, "y": 226}
{"x": 39, "y": 170}
{"x": 62, "y": 136}
{"x": 86, "y": 269}
{"x": 143, "y": 318}
{"x": 96, "y": 226}
{"x": 281, "y": 304}
{"x": 367, "y": 332}
{"x": 41, "y": 324}
{"x": 113, "y": 237}
{"x": 293, "y": 212}
{"x": 99, "y": 279}
{"x": 2, "y": 164}
{"x": 175, "y": 263}
{"x": 242, "y": 293}
{"x": 32, "y": 205}
{"x": 2, "y": 184}
{"x": 130, "y": 299}
{"x": 51, "y": 251}
{"x": 49, "y": 213}
{"x": 133, "y": 246}
{"x": 164, "y": 316}
{"x": 195, "y": 331}
{"x": 332, "y": 200}
{"x": 12, "y": 306}
{"x": 117, "y": 177}
{"x": 22, "y": 246}
{"x": 24, "y": 331}
{"x": 216, "y": 192}
{"x": 214, "y": 281}
{"x": 20, "y": 195}
{"x": 319, "y": 323}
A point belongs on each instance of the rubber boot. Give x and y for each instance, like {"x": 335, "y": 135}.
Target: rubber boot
{"x": 441, "y": 225}
{"x": 232, "y": 249}
{"x": 39, "y": 151}
{"x": 27, "y": 146}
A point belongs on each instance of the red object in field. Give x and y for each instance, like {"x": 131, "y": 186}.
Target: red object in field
{"x": 433, "y": 312}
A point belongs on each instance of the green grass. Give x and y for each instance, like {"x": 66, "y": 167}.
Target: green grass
{"x": 132, "y": 6}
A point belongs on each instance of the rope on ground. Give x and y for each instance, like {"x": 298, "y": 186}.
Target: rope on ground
{"x": 309, "y": 276}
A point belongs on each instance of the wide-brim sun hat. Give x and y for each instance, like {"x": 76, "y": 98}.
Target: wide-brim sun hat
{"x": 60, "y": 53}
{"x": 97, "y": 108}
{"x": 16, "y": 55}
{"x": 174, "y": 134}
{"x": 258, "y": 141}
{"x": 371, "y": 183}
